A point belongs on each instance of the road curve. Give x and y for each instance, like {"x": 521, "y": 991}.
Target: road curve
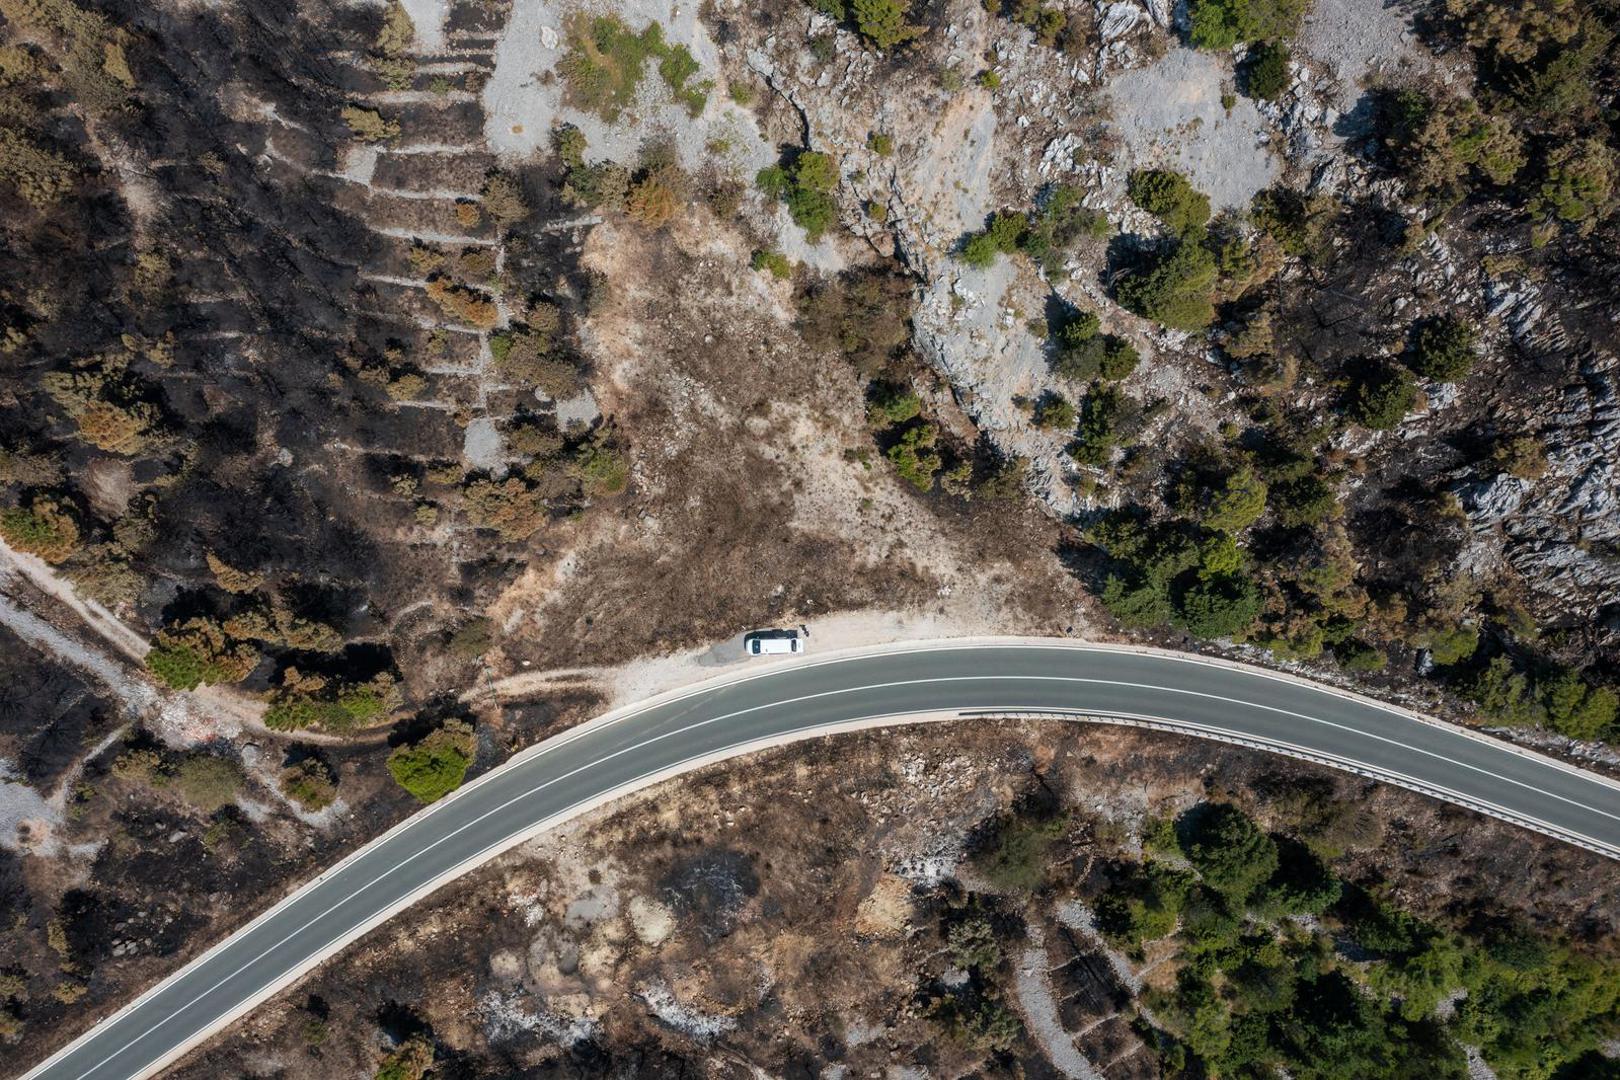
{"x": 632, "y": 748}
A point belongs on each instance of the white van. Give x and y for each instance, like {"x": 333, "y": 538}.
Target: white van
{"x": 772, "y": 642}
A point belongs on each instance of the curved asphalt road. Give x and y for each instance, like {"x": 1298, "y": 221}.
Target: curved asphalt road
{"x": 582, "y": 768}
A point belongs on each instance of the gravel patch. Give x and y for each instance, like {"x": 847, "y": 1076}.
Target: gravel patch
{"x": 1169, "y": 113}
{"x": 1360, "y": 40}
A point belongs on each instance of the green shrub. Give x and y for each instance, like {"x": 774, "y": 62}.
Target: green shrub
{"x": 1219, "y": 605}
{"x": 472, "y": 639}
{"x": 603, "y": 468}
{"x": 1238, "y": 502}
{"x": 1356, "y": 655}
{"x": 1284, "y": 215}
{"x": 1169, "y": 197}
{"x": 675, "y": 68}
{"x": 1228, "y": 850}
{"x": 1306, "y": 502}
{"x": 1265, "y": 70}
{"x": 208, "y": 782}
{"x": 604, "y": 62}
{"x": 1084, "y": 352}
{"x": 883, "y": 22}
{"x": 1577, "y": 182}
{"x": 1015, "y": 859}
{"x": 1453, "y": 646}
{"x": 310, "y": 784}
{"x": 368, "y": 125}
{"x": 1100, "y": 414}
{"x": 1175, "y": 289}
{"x": 1504, "y": 694}
{"x": 1220, "y": 24}
{"x": 914, "y": 456}
{"x": 437, "y": 764}
{"x": 1382, "y": 396}
{"x": 198, "y": 652}
{"x": 1054, "y": 412}
{"x": 1058, "y": 225}
{"x": 775, "y": 262}
{"x": 972, "y": 944}
{"x": 308, "y": 701}
{"x": 411, "y": 1061}
{"x": 1303, "y": 884}
{"x": 46, "y": 528}
{"x": 806, "y": 186}
{"x": 890, "y": 403}
{"x": 1001, "y": 236}
{"x": 1443, "y": 349}
{"x": 1576, "y": 708}
{"x": 880, "y": 143}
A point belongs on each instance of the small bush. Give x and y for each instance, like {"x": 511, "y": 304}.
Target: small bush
{"x": 1265, "y": 70}
{"x": 1227, "y": 849}
{"x": 46, "y": 529}
{"x": 775, "y": 262}
{"x": 1016, "y": 858}
{"x": 806, "y": 186}
{"x": 603, "y": 468}
{"x": 1382, "y": 397}
{"x": 880, "y": 143}
{"x": 1238, "y": 501}
{"x": 208, "y": 782}
{"x": 883, "y": 22}
{"x": 436, "y": 765}
{"x": 1001, "y": 236}
{"x": 889, "y": 404}
{"x": 1453, "y": 646}
{"x": 1169, "y": 197}
{"x": 1576, "y": 708}
{"x": 915, "y": 458}
{"x": 1219, "y": 605}
{"x": 1084, "y": 352}
{"x": 604, "y": 62}
{"x": 1054, "y": 412}
{"x": 368, "y": 125}
{"x": 310, "y": 784}
{"x": 464, "y": 305}
{"x": 1577, "y": 183}
{"x": 1443, "y": 349}
{"x": 1305, "y": 502}
{"x": 509, "y": 507}
{"x": 1220, "y": 24}
{"x": 503, "y": 200}
{"x": 472, "y": 639}
{"x": 411, "y": 1061}
{"x": 1358, "y": 656}
{"x": 1098, "y": 434}
{"x": 1176, "y": 289}
{"x": 199, "y": 652}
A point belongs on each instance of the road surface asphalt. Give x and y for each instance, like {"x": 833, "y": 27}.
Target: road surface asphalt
{"x": 793, "y": 699}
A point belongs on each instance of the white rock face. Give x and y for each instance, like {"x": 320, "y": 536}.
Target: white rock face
{"x": 1489, "y": 502}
